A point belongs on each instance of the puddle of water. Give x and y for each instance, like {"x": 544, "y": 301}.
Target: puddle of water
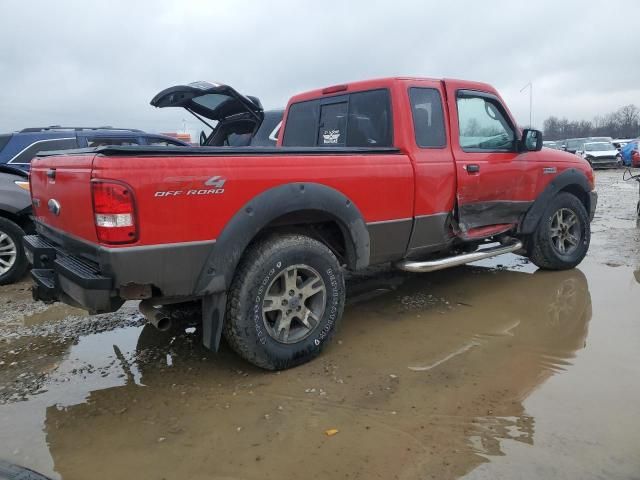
{"x": 436, "y": 375}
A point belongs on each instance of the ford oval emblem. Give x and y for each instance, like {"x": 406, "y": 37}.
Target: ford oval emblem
{"x": 54, "y": 206}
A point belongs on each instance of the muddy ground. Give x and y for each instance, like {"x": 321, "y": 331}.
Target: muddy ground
{"x": 490, "y": 371}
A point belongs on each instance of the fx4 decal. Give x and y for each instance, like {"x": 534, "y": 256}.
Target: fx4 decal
{"x": 190, "y": 186}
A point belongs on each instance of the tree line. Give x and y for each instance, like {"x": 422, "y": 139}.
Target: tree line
{"x": 623, "y": 123}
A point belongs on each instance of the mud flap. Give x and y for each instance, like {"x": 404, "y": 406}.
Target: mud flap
{"x": 213, "y": 310}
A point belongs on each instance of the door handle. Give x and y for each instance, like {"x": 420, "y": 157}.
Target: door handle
{"x": 472, "y": 168}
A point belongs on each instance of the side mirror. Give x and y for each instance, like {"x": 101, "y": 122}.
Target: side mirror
{"x": 531, "y": 140}
{"x": 203, "y": 138}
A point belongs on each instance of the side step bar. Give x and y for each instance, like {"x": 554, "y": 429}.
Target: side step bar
{"x": 508, "y": 246}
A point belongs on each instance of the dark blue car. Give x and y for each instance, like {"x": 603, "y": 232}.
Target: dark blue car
{"x": 18, "y": 149}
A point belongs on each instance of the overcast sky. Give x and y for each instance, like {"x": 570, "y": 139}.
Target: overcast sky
{"x": 99, "y": 63}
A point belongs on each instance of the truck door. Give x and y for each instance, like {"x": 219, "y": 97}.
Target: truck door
{"x": 493, "y": 184}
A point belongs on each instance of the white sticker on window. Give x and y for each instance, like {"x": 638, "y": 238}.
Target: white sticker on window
{"x": 331, "y": 136}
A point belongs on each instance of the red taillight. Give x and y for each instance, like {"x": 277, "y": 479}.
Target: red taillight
{"x": 114, "y": 212}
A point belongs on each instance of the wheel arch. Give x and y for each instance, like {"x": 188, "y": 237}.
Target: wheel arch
{"x": 571, "y": 181}
{"x": 296, "y": 206}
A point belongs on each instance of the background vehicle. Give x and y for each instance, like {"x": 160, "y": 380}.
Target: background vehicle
{"x": 240, "y": 120}
{"x": 15, "y": 220}
{"x": 572, "y": 145}
{"x": 628, "y": 175}
{"x": 258, "y": 238}
{"x": 630, "y": 154}
{"x": 619, "y": 143}
{"x": 551, "y": 144}
{"x": 18, "y": 149}
{"x": 601, "y": 154}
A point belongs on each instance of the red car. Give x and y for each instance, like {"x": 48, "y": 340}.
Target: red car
{"x": 423, "y": 173}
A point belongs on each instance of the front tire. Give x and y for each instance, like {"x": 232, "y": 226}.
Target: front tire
{"x": 562, "y": 237}
{"x": 13, "y": 261}
{"x": 285, "y": 302}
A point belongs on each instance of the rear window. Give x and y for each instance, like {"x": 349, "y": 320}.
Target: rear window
{"x": 4, "y": 139}
{"x": 211, "y": 100}
{"x": 26, "y": 155}
{"x": 361, "y": 119}
{"x": 333, "y": 125}
{"x": 300, "y": 130}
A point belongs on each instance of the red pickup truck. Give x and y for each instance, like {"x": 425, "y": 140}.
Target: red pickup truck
{"x": 423, "y": 173}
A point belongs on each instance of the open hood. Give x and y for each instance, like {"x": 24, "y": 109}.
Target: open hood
{"x": 210, "y": 100}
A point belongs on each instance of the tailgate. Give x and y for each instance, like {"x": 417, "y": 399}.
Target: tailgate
{"x": 61, "y": 192}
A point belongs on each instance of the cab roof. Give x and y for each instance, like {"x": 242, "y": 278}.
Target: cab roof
{"x": 386, "y": 82}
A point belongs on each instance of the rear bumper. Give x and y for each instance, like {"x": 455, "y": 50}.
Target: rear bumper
{"x": 99, "y": 279}
{"x": 58, "y": 275}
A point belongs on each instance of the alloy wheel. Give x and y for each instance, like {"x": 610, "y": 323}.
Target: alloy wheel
{"x": 8, "y": 253}
{"x": 565, "y": 231}
{"x": 294, "y": 304}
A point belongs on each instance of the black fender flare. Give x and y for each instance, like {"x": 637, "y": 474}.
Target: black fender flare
{"x": 570, "y": 177}
{"x": 217, "y": 273}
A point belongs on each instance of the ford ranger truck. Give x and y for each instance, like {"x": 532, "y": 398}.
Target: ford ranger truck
{"x": 424, "y": 174}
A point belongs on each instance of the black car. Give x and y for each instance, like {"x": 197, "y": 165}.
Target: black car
{"x": 16, "y": 152}
{"x": 240, "y": 120}
{"x": 15, "y": 221}
{"x": 572, "y": 145}
{"x": 19, "y": 148}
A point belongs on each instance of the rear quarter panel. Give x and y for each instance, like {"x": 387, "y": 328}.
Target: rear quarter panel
{"x": 380, "y": 185}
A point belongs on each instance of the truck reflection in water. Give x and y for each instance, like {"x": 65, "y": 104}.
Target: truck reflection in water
{"x": 429, "y": 376}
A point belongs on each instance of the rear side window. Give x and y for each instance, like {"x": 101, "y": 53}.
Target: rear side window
{"x": 361, "y": 119}
{"x": 108, "y": 141}
{"x": 26, "y": 155}
{"x": 4, "y": 139}
{"x": 428, "y": 119}
{"x": 369, "y": 119}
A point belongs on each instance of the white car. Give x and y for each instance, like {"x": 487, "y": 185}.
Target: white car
{"x": 601, "y": 154}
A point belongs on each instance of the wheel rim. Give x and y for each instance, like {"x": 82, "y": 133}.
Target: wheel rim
{"x": 294, "y": 303}
{"x": 565, "y": 231}
{"x": 8, "y": 253}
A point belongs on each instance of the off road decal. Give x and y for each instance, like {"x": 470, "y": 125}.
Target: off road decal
{"x": 190, "y": 186}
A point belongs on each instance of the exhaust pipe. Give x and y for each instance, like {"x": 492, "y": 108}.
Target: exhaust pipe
{"x": 155, "y": 316}
{"x": 509, "y": 246}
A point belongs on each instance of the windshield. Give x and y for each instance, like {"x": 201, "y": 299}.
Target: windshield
{"x": 598, "y": 146}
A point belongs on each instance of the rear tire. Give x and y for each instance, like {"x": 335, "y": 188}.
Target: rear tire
{"x": 562, "y": 237}
{"x": 285, "y": 301}
{"x": 13, "y": 261}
